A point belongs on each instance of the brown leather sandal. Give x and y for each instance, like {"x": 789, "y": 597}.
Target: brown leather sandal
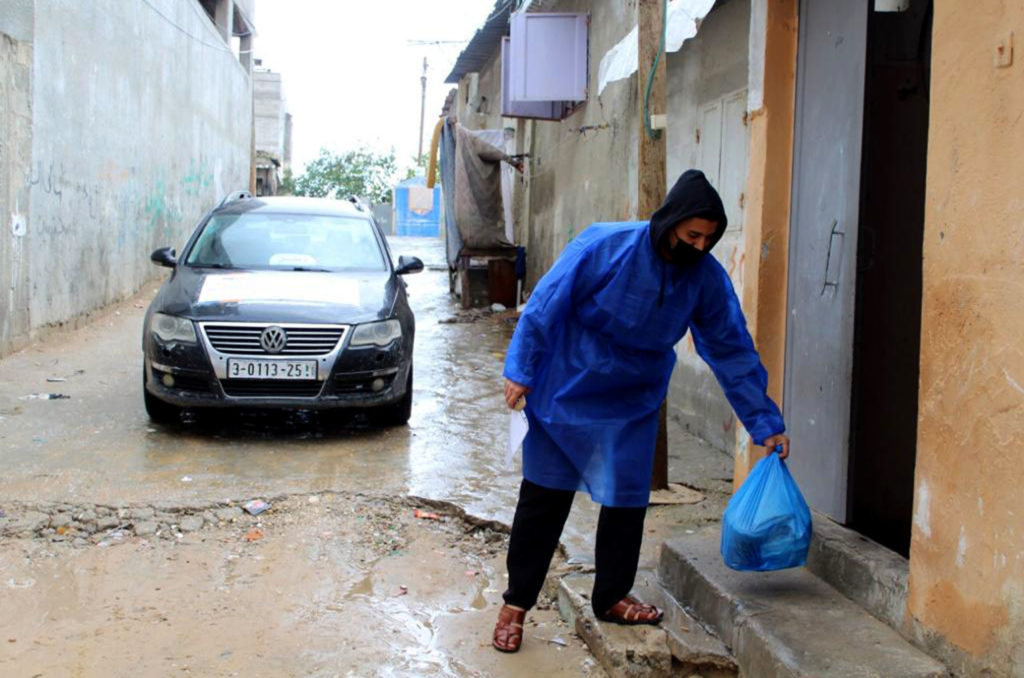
{"x": 631, "y": 611}
{"x": 508, "y": 632}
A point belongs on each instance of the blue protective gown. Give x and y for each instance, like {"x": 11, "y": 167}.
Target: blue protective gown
{"x": 596, "y": 344}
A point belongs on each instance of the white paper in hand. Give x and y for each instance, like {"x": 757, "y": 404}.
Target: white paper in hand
{"x": 518, "y": 425}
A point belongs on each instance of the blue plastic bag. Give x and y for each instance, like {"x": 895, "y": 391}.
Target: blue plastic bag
{"x": 767, "y": 525}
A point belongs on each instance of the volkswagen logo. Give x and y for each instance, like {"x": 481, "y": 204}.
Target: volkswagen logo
{"x": 273, "y": 339}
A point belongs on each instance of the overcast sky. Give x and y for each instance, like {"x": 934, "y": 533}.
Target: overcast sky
{"x": 351, "y": 78}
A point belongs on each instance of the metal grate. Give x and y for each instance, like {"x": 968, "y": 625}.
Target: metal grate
{"x": 244, "y": 339}
{"x": 271, "y": 388}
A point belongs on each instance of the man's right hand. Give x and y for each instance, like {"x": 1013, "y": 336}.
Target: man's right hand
{"x": 779, "y": 440}
{"x": 513, "y": 392}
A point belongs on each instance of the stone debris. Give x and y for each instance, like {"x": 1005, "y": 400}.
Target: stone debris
{"x": 384, "y": 523}
{"x": 228, "y": 514}
{"x": 82, "y": 525}
{"x": 191, "y": 523}
{"x": 145, "y": 528}
{"x": 507, "y": 316}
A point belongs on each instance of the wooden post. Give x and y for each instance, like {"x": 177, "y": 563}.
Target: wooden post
{"x": 651, "y": 152}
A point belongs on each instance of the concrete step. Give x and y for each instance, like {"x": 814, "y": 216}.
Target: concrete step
{"x": 679, "y": 646}
{"x": 788, "y": 623}
{"x": 697, "y": 649}
{"x": 865, "y": 572}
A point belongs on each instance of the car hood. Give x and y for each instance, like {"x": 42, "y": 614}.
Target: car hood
{"x": 278, "y": 296}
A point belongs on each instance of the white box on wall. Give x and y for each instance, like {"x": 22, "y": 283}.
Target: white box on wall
{"x": 548, "y": 57}
{"x": 539, "y": 110}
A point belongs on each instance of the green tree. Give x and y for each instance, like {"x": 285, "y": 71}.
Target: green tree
{"x": 359, "y": 172}
{"x": 419, "y": 169}
{"x": 287, "y": 186}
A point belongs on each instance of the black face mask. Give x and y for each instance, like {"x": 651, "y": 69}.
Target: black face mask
{"x": 685, "y": 255}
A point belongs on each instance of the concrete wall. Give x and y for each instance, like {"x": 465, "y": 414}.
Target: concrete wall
{"x": 286, "y": 162}
{"x": 707, "y": 81}
{"x": 137, "y": 129}
{"x": 247, "y": 8}
{"x": 967, "y": 550}
{"x": 15, "y": 159}
{"x": 479, "y": 97}
{"x": 17, "y": 18}
{"x": 269, "y": 109}
{"x": 579, "y": 177}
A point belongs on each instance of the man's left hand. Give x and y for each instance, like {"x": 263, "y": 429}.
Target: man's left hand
{"x": 780, "y": 440}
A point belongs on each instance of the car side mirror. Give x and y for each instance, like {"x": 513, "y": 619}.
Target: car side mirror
{"x": 409, "y": 265}
{"x": 165, "y": 257}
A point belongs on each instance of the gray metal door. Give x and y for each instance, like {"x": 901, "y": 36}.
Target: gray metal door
{"x": 823, "y": 246}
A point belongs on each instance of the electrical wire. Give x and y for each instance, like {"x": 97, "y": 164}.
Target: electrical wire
{"x": 221, "y": 48}
{"x": 578, "y": 134}
{"x": 651, "y": 133}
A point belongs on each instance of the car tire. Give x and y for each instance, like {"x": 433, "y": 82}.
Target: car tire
{"x": 398, "y": 413}
{"x": 159, "y": 411}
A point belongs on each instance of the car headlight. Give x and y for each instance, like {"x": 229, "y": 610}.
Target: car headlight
{"x": 376, "y": 334}
{"x": 170, "y": 329}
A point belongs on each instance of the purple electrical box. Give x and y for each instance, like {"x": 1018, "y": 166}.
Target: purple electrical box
{"x": 548, "y": 57}
{"x": 540, "y": 110}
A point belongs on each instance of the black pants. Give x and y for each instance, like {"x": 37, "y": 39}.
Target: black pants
{"x": 540, "y": 516}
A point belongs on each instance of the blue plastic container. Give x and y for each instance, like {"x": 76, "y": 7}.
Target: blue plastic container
{"x": 411, "y": 216}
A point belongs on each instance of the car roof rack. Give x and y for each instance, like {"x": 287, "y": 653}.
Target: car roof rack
{"x": 233, "y": 196}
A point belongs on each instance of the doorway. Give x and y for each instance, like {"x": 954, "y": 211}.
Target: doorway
{"x": 887, "y": 328}
{"x": 856, "y": 235}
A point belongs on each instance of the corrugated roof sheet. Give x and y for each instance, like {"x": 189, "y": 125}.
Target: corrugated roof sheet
{"x": 485, "y": 42}
{"x": 539, "y": 5}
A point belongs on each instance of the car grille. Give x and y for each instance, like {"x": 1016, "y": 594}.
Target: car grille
{"x": 270, "y": 388}
{"x": 238, "y": 339}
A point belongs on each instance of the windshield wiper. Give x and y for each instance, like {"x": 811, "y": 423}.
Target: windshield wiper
{"x": 221, "y": 266}
{"x": 306, "y": 268}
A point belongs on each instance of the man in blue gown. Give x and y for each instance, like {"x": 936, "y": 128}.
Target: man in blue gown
{"x": 594, "y": 349}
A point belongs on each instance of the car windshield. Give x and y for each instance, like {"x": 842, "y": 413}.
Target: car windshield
{"x": 287, "y": 242}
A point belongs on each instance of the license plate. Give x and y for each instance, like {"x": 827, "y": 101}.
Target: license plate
{"x": 271, "y": 369}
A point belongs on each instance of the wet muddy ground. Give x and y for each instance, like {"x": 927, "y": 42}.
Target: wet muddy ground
{"x": 318, "y": 585}
{"x": 124, "y": 549}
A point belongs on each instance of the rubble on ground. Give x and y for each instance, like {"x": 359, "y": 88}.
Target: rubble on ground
{"x": 472, "y": 315}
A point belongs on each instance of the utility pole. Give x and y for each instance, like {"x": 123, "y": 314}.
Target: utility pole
{"x": 651, "y": 172}
{"x": 423, "y": 107}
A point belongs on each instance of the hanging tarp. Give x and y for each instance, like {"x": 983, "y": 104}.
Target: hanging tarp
{"x": 453, "y": 241}
{"x": 479, "y": 215}
{"x": 505, "y": 139}
{"x": 682, "y": 21}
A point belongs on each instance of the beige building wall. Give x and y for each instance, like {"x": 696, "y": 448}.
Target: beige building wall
{"x": 967, "y": 553}
{"x": 767, "y": 204}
